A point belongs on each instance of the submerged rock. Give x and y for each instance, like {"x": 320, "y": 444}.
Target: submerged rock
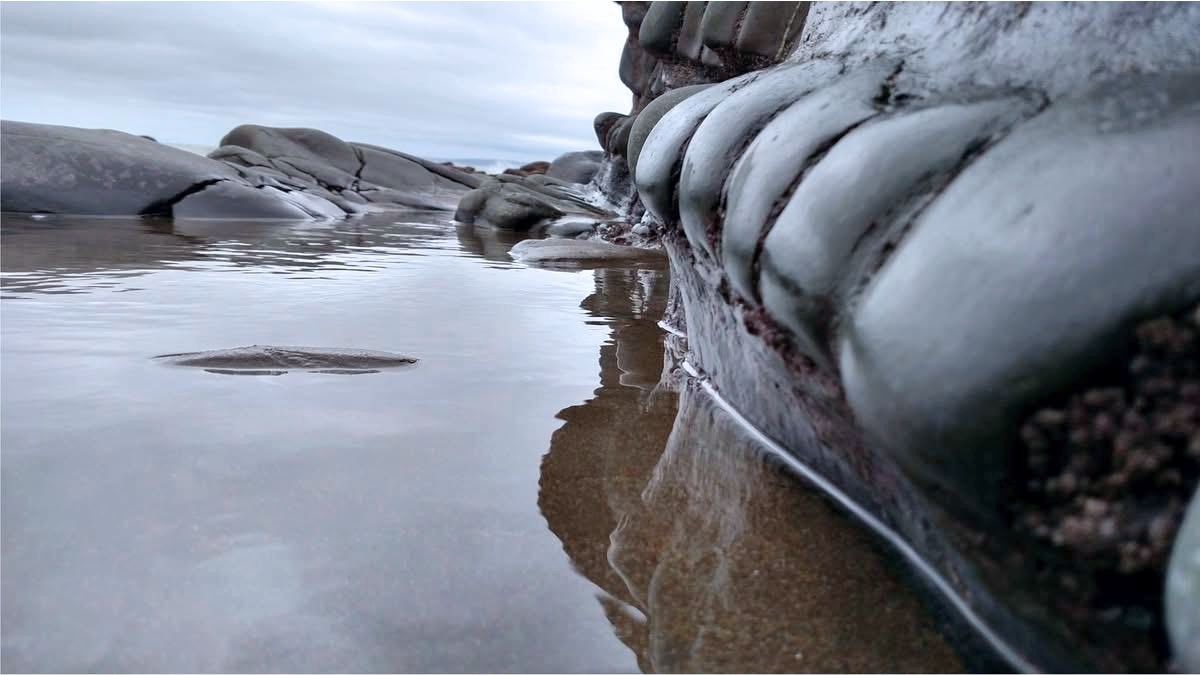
{"x": 574, "y": 250}
{"x": 523, "y": 203}
{"x": 272, "y": 360}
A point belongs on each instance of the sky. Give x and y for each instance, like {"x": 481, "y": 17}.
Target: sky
{"x": 443, "y": 80}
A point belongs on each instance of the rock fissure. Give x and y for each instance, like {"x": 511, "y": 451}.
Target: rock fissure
{"x": 778, "y": 206}
{"x": 164, "y": 207}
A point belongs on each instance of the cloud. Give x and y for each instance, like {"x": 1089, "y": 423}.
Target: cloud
{"x": 441, "y": 79}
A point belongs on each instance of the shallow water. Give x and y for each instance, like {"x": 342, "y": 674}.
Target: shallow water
{"x": 527, "y": 497}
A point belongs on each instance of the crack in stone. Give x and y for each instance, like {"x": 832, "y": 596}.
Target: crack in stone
{"x": 165, "y": 207}
{"x": 777, "y": 208}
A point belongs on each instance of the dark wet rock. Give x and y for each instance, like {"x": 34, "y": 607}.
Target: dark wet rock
{"x": 271, "y": 360}
{"x": 604, "y": 124}
{"x": 618, "y": 140}
{"x": 575, "y": 167}
{"x": 719, "y": 27}
{"x": 1182, "y": 593}
{"x": 538, "y": 167}
{"x": 661, "y": 26}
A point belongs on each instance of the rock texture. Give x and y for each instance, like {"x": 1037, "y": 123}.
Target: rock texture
{"x": 257, "y": 173}
{"x": 899, "y": 229}
{"x": 272, "y": 360}
{"x": 524, "y": 203}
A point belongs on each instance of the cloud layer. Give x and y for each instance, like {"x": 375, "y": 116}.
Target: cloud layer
{"x": 444, "y": 79}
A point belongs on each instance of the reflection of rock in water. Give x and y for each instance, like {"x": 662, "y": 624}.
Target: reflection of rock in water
{"x": 487, "y": 242}
{"x": 40, "y": 254}
{"x": 600, "y": 459}
{"x": 711, "y": 559}
{"x": 738, "y": 567}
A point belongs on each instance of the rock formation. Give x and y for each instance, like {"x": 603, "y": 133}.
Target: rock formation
{"x": 257, "y": 173}
{"x": 950, "y": 255}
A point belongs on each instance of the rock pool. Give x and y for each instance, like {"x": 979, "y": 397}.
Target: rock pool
{"x": 527, "y": 497}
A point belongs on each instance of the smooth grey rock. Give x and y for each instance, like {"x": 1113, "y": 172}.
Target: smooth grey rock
{"x": 603, "y": 125}
{"x": 769, "y": 28}
{"x": 637, "y": 66}
{"x": 505, "y": 205}
{"x": 1182, "y": 592}
{"x": 664, "y": 145}
{"x": 719, "y": 28}
{"x": 574, "y": 250}
{"x": 54, "y": 169}
{"x": 267, "y": 359}
{"x": 295, "y": 143}
{"x": 720, "y": 137}
{"x": 777, "y": 156}
{"x": 576, "y": 167}
{"x": 661, "y": 26}
{"x": 853, "y": 197}
{"x": 228, "y": 199}
{"x": 618, "y": 140}
{"x": 235, "y": 154}
{"x": 545, "y": 181}
{"x": 650, "y": 115}
{"x": 689, "y": 43}
{"x": 454, "y": 178}
{"x": 571, "y": 227}
{"x": 1028, "y": 269}
{"x": 319, "y": 172}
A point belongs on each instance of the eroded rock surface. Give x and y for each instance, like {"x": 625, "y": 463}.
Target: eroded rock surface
{"x": 927, "y": 221}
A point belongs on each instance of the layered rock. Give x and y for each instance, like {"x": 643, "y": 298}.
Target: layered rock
{"x": 257, "y": 173}
{"x": 900, "y": 230}
{"x": 537, "y": 201}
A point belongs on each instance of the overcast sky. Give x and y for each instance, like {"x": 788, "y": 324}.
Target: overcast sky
{"x": 439, "y": 79}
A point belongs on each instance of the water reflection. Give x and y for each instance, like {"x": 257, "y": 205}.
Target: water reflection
{"x": 709, "y": 557}
{"x": 81, "y": 254}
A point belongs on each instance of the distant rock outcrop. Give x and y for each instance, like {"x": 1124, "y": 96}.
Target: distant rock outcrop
{"x": 257, "y": 173}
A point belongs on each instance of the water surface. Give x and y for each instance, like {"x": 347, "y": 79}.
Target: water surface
{"x": 528, "y": 497}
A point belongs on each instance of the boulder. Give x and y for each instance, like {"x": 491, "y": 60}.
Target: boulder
{"x": 506, "y": 206}
{"x": 54, "y": 169}
{"x": 257, "y": 172}
{"x": 576, "y": 167}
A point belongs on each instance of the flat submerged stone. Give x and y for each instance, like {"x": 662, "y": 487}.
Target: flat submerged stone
{"x": 275, "y": 360}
